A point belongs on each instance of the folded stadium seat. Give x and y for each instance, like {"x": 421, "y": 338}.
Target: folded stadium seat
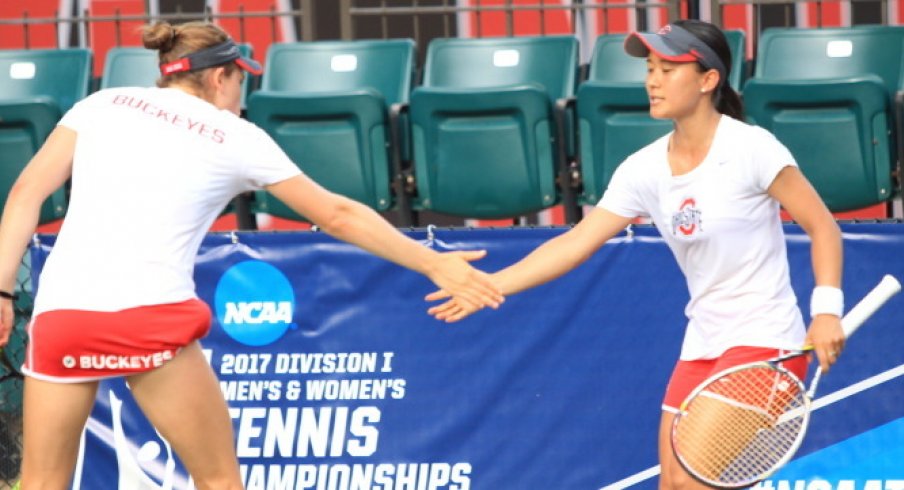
{"x": 483, "y": 130}
{"x": 63, "y": 75}
{"x": 828, "y": 95}
{"x": 327, "y": 105}
{"x": 36, "y": 88}
{"x": 130, "y": 67}
{"x": 737, "y": 44}
{"x": 613, "y": 110}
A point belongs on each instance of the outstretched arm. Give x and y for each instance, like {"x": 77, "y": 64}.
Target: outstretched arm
{"x": 353, "y": 222}
{"x": 547, "y": 262}
{"x": 798, "y": 197}
{"x": 46, "y": 172}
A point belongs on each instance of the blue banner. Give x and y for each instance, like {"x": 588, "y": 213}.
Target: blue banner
{"x": 338, "y": 379}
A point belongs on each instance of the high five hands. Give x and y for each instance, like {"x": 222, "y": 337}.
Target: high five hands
{"x": 467, "y": 289}
{"x": 459, "y": 307}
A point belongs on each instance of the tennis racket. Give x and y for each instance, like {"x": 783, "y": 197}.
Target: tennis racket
{"x": 742, "y": 424}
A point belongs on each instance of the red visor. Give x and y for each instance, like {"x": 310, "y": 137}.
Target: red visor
{"x": 217, "y": 55}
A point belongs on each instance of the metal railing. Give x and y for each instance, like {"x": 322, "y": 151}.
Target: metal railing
{"x": 448, "y": 10}
{"x": 787, "y": 16}
{"x": 82, "y": 22}
{"x": 425, "y": 19}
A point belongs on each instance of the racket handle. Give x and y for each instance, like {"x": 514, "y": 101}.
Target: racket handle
{"x": 816, "y": 377}
{"x": 887, "y": 287}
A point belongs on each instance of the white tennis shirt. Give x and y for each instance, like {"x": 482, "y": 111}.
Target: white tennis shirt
{"x": 153, "y": 168}
{"x": 726, "y": 234}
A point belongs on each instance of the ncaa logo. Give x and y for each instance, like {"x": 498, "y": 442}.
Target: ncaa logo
{"x": 254, "y": 303}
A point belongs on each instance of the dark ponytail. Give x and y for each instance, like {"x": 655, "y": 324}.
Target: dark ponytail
{"x": 726, "y": 100}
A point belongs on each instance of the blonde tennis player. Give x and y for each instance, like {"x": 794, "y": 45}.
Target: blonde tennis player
{"x": 151, "y": 169}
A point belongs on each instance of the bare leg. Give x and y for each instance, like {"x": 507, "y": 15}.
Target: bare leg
{"x": 673, "y": 476}
{"x": 183, "y": 401}
{"x": 712, "y": 437}
{"x": 54, "y": 417}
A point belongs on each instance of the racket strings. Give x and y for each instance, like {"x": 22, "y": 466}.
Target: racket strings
{"x": 739, "y": 427}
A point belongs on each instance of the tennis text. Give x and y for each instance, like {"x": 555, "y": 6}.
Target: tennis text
{"x": 413, "y": 476}
{"x": 308, "y": 431}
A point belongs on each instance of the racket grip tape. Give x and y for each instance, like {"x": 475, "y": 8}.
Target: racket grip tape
{"x": 887, "y": 287}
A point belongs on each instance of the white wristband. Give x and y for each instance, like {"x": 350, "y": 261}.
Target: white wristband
{"x": 826, "y": 300}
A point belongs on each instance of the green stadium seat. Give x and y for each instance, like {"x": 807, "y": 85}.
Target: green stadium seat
{"x": 63, "y": 75}
{"x": 828, "y": 95}
{"x": 613, "y": 110}
{"x": 483, "y": 126}
{"x": 737, "y": 44}
{"x": 130, "y": 67}
{"x": 326, "y": 104}
{"x": 24, "y": 126}
{"x": 36, "y": 88}
{"x": 613, "y": 113}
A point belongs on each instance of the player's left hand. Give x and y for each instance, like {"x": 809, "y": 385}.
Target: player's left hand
{"x": 7, "y": 318}
{"x": 467, "y": 288}
{"x": 452, "y": 310}
{"x": 827, "y": 338}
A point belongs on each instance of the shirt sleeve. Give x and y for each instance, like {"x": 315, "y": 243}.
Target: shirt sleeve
{"x": 770, "y": 156}
{"x": 622, "y": 195}
{"x": 77, "y": 117}
{"x": 266, "y": 163}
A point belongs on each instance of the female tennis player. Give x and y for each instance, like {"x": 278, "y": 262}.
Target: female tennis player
{"x": 713, "y": 187}
{"x": 151, "y": 169}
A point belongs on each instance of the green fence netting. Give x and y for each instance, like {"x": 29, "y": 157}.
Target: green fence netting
{"x": 11, "y": 357}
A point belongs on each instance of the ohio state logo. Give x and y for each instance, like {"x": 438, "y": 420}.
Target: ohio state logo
{"x": 687, "y": 219}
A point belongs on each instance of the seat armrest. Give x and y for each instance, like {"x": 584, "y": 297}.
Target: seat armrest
{"x": 403, "y": 176}
{"x": 313, "y": 103}
{"x": 899, "y": 140}
{"x": 569, "y": 174}
{"x": 869, "y": 88}
{"x": 478, "y": 99}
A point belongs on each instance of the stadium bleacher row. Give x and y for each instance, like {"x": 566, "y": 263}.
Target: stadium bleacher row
{"x": 503, "y": 127}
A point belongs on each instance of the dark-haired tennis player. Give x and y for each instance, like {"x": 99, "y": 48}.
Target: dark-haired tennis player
{"x": 713, "y": 187}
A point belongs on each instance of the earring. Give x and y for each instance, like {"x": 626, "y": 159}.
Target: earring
{"x": 702, "y": 90}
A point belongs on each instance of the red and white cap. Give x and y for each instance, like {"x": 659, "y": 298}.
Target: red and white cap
{"x": 217, "y": 55}
{"x": 674, "y": 43}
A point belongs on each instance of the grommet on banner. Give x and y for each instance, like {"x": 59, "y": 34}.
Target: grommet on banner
{"x": 431, "y": 234}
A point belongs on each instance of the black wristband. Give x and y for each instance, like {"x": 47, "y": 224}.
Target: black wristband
{"x": 8, "y": 295}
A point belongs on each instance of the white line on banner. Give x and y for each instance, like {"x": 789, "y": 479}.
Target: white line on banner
{"x": 858, "y": 387}
{"x": 817, "y": 404}
{"x": 633, "y": 479}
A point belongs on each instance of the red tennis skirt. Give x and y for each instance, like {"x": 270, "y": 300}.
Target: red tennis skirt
{"x": 73, "y": 346}
{"x": 690, "y": 374}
